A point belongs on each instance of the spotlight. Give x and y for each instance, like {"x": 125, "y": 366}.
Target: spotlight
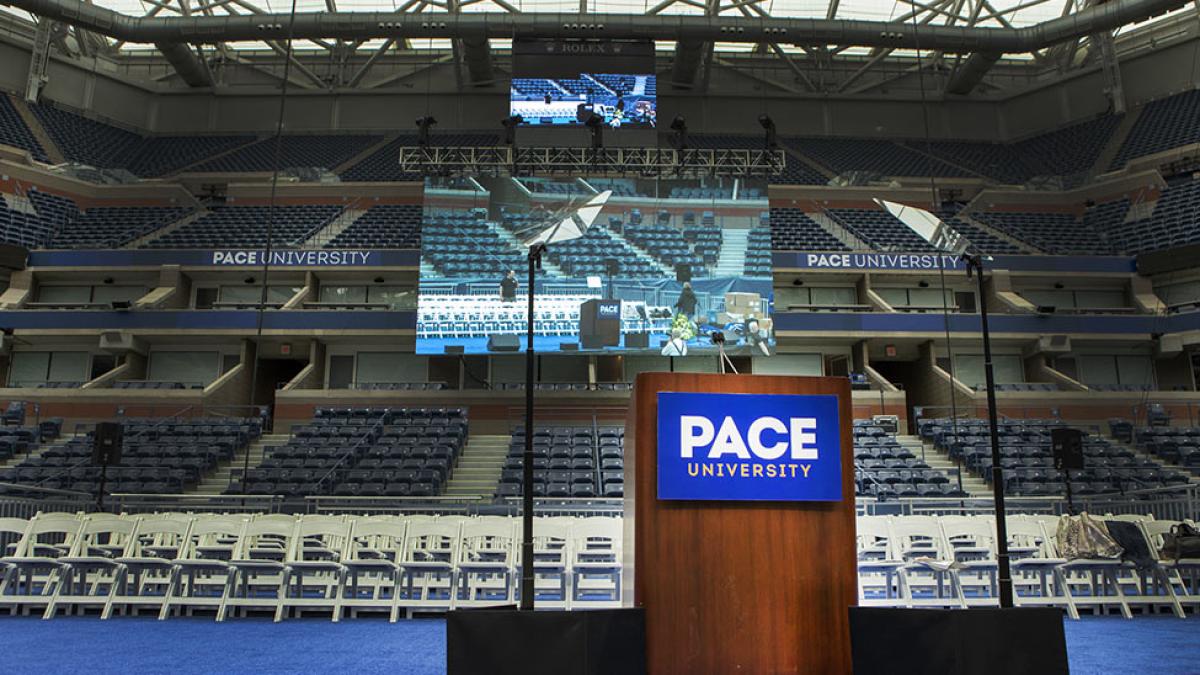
{"x": 768, "y": 126}
{"x": 679, "y": 137}
{"x": 595, "y": 123}
{"x": 717, "y": 337}
{"x": 423, "y": 126}
{"x": 510, "y": 125}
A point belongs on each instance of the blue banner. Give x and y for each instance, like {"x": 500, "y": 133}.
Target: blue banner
{"x": 749, "y": 447}
{"x": 295, "y": 258}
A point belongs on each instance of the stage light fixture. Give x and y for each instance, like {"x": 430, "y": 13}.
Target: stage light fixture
{"x": 424, "y": 124}
{"x": 679, "y": 138}
{"x": 595, "y": 123}
{"x": 768, "y": 126}
{"x": 510, "y": 125}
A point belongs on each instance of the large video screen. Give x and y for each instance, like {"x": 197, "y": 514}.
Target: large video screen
{"x": 631, "y": 266}
{"x": 623, "y": 101}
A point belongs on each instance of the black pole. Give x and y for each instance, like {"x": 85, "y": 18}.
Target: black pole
{"x": 103, "y": 484}
{"x": 527, "y": 580}
{"x": 1003, "y": 573}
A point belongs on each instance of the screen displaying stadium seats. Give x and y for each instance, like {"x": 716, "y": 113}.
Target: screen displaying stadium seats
{"x": 631, "y": 265}
{"x": 621, "y": 100}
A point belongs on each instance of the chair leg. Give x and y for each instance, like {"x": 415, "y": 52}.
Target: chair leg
{"x": 120, "y": 578}
{"x": 172, "y": 583}
{"x": 230, "y": 585}
{"x": 1061, "y": 580}
{"x": 52, "y": 604}
{"x": 282, "y": 595}
{"x": 396, "y": 579}
{"x": 339, "y": 590}
{"x": 1165, "y": 580}
{"x": 1111, "y": 578}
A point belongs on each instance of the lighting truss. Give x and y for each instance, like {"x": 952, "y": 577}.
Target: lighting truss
{"x": 648, "y": 162}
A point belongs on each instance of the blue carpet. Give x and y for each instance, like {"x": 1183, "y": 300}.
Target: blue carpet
{"x": 1097, "y": 645}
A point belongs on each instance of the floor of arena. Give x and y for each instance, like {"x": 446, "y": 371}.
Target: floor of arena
{"x": 1097, "y": 646}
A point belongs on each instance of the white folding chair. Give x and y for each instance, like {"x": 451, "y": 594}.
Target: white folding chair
{"x": 596, "y": 561}
{"x": 1090, "y": 582}
{"x": 1149, "y": 586}
{"x": 971, "y": 542}
{"x": 315, "y": 564}
{"x": 90, "y": 570}
{"x": 428, "y": 562}
{"x": 485, "y": 563}
{"x": 551, "y": 562}
{"x": 878, "y": 568}
{"x": 928, "y": 574}
{"x": 35, "y": 565}
{"x": 1183, "y": 575}
{"x": 200, "y": 573}
{"x": 1037, "y": 579}
{"x": 258, "y": 569}
{"x": 12, "y": 530}
{"x": 372, "y": 564}
{"x": 146, "y": 564}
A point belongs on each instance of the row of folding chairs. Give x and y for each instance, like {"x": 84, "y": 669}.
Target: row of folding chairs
{"x": 950, "y": 561}
{"x": 175, "y": 564}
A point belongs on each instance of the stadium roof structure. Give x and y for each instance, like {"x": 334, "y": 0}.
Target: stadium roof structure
{"x": 812, "y": 46}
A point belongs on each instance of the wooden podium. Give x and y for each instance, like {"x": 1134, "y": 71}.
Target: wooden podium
{"x": 738, "y": 587}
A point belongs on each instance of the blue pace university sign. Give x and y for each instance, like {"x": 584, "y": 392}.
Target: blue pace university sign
{"x": 762, "y": 447}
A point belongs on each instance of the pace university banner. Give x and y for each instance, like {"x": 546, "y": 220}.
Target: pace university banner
{"x": 749, "y": 447}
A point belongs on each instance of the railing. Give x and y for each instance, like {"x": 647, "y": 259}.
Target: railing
{"x": 23, "y": 501}
{"x": 152, "y": 503}
{"x": 1174, "y": 503}
{"x": 20, "y": 501}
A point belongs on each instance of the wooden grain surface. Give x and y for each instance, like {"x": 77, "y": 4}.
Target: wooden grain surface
{"x": 739, "y": 587}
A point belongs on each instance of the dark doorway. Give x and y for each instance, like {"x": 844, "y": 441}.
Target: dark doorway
{"x": 903, "y": 374}
{"x": 273, "y": 374}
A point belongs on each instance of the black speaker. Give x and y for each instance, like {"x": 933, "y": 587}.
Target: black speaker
{"x": 637, "y": 340}
{"x": 504, "y": 343}
{"x": 612, "y": 267}
{"x": 1067, "y": 446}
{"x": 454, "y": 349}
{"x": 106, "y": 443}
{"x": 568, "y": 346}
{"x": 683, "y": 272}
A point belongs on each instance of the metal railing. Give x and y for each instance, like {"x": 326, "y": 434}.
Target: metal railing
{"x": 24, "y": 501}
{"x": 175, "y": 503}
{"x": 20, "y": 501}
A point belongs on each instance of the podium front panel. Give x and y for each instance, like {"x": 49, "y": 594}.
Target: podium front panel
{"x": 739, "y": 586}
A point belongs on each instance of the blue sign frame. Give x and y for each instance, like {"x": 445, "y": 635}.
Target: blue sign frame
{"x": 749, "y": 447}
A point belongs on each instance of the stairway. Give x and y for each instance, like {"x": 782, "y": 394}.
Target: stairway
{"x": 167, "y": 229}
{"x": 839, "y": 232}
{"x": 732, "y": 260}
{"x": 510, "y": 240}
{"x": 345, "y": 166}
{"x": 333, "y": 228}
{"x": 936, "y": 459}
{"x": 997, "y": 233}
{"x": 641, "y": 253}
{"x": 216, "y": 482}
{"x": 1109, "y": 153}
{"x": 39, "y": 132}
{"x": 479, "y": 466}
